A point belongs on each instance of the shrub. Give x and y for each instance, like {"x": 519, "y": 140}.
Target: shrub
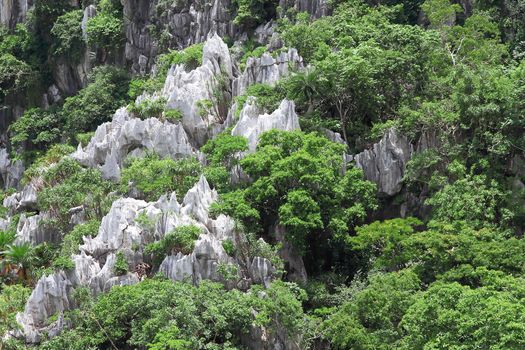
{"x": 83, "y": 138}
{"x": 148, "y": 108}
{"x": 96, "y": 103}
{"x": 67, "y": 32}
{"x": 182, "y": 239}
{"x": 68, "y": 185}
{"x": 46, "y": 162}
{"x": 191, "y": 58}
{"x": 63, "y": 263}
{"x": 36, "y": 128}
{"x": 121, "y": 265}
{"x": 229, "y": 247}
{"x": 15, "y": 75}
{"x": 267, "y": 97}
{"x": 12, "y": 300}
{"x": 154, "y": 176}
{"x": 172, "y": 115}
{"x": 106, "y": 29}
{"x": 250, "y": 13}
{"x": 160, "y": 314}
{"x": 73, "y": 239}
{"x": 222, "y": 149}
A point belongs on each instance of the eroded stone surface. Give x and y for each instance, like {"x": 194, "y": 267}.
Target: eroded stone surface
{"x": 252, "y": 124}
{"x": 267, "y": 70}
{"x": 113, "y": 141}
{"x": 10, "y": 171}
{"x": 185, "y": 90}
{"x": 385, "y": 162}
{"x": 124, "y": 230}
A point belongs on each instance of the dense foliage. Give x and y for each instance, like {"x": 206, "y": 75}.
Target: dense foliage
{"x": 160, "y": 314}
{"x": 153, "y": 176}
{"x": 440, "y": 265}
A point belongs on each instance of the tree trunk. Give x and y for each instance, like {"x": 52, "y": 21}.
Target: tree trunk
{"x": 342, "y": 117}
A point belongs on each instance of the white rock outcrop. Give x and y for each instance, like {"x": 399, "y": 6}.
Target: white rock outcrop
{"x": 252, "y": 124}
{"x": 184, "y": 90}
{"x": 114, "y": 141}
{"x": 121, "y": 231}
{"x": 385, "y": 162}
{"x": 267, "y": 70}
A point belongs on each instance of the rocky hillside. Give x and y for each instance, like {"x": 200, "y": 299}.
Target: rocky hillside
{"x": 255, "y": 174}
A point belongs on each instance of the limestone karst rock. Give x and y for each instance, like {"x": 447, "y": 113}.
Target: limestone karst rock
{"x": 184, "y": 90}
{"x": 11, "y": 171}
{"x": 252, "y": 123}
{"x": 35, "y": 230}
{"x": 114, "y": 141}
{"x": 189, "y": 22}
{"x": 267, "y": 70}
{"x": 121, "y": 231}
{"x": 386, "y": 161}
{"x": 14, "y": 11}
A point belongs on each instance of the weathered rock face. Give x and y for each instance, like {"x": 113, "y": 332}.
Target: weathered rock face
{"x": 252, "y": 124}
{"x": 203, "y": 262}
{"x": 316, "y": 8}
{"x": 24, "y": 200}
{"x": 70, "y": 77}
{"x": 188, "y": 22}
{"x": 295, "y": 265}
{"x": 267, "y": 70}
{"x": 122, "y": 231}
{"x": 13, "y": 11}
{"x": 35, "y": 230}
{"x": 52, "y": 295}
{"x": 125, "y": 135}
{"x": 184, "y": 90}
{"x": 10, "y": 171}
{"x": 385, "y": 162}
{"x": 260, "y": 338}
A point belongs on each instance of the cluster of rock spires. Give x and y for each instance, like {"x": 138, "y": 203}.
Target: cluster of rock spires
{"x": 127, "y": 136}
{"x": 120, "y": 232}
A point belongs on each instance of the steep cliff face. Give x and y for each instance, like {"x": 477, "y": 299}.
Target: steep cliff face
{"x": 14, "y": 11}
{"x": 386, "y": 161}
{"x": 151, "y": 26}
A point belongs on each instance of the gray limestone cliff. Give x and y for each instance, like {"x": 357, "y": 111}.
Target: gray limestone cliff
{"x": 126, "y": 135}
{"x": 13, "y": 12}
{"x": 385, "y": 162}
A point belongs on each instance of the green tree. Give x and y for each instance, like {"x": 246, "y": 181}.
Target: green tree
{"x": 298, "y": 180}
{"x": 20, "y": 258}
{"x": 96, "y": 103}
{"x": 371, "y": 318}
{"x": 67, "y": 33}
{"x": 154, "y": 176}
